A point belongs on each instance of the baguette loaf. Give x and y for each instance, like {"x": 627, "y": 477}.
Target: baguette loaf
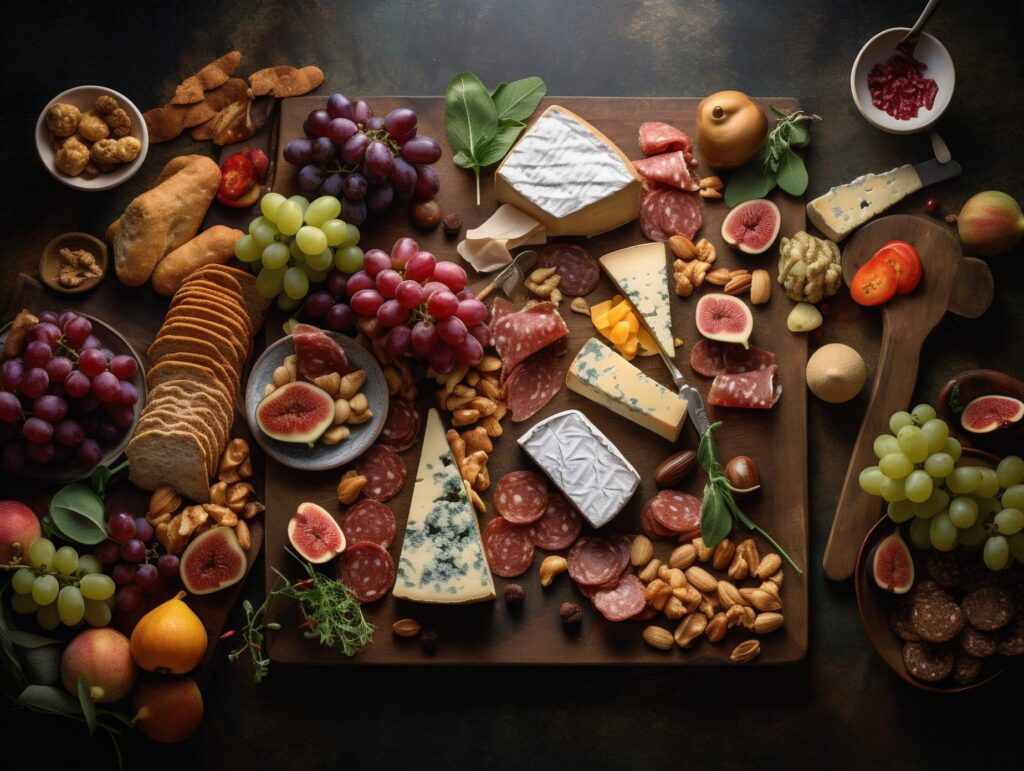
{"x": 215, "y": 245}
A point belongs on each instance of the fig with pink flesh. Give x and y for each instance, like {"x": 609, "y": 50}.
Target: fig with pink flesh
{"x": 296, "y": 412}
{"x": 892, "y": 566}
{"x": 213, "y": 561}
{"x": 725, "y": 318}
{"x": 315, "y": 534}
{"x": 752, "y": 226}
{"x": 988, "y": 413}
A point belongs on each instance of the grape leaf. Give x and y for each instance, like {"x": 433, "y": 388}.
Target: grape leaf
{"x": 792, "y": 174}
{"x": 517, "y": 100}
{"x": 748, "y": 182}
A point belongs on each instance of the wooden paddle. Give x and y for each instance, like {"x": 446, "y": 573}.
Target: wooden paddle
{"x": 950, "y": 282}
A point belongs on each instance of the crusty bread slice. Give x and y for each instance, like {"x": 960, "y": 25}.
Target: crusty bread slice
{"x": 175, "y": 458}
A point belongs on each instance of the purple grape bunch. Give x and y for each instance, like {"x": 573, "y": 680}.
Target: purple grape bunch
{"x": 132, "y": 558}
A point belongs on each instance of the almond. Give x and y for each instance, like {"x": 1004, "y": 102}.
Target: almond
{"x": 683, "y": 556}
{"x": 760, "y": 599}
{"x": 728, "y": 595}
{"x": 723, "y": 554}
{"x": 674, "y": 608}
{"x": 641, "y": 551}
{"x": 701, "y": 579}
{"x": 650, "y": 571}
{"x": 738, "y": 568}
{"x": 766, "y": 623}
{"x": 703, "y": 552}
{"x": 682, "y": 247}
{"x": 718, "y": 277}
{"x": 690, "y": 629}
{"x": 738, "y": 285}
{"x": 768, "y": 566}
{"x": 406, "y": 627}
{"x": 760, "y": 287}
{"x": 716, "y": 628}
{"x": 658, "y": 637}
{"x": 745, "y": 651}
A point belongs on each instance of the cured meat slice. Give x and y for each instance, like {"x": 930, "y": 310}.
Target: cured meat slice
{"x": 989, "y": 608}
{"x": 499, "y": 309}
{"x": 623, "y": 602}
{"x": 707, "y": 358}
{"x": 367, "y": 570}
{"x": 594, "y": 561}
{"x": 533, "y": 384}
{"x": 317, "y": 354}
{"x": 384, "y": 472}
{"x": 520, "y": 334}
{"x": 521, "y": 497}
{"x": 558, "y": 527}
{"x": 676, "y": 511}
{"x": 927, "y": 662}
{"x": 666, "y": 212}
{"x": 650, "y": 214}
{"x": 578, "y": 270}
{"x": 936, "y": 617}
{"x": 1011, "y": 638}
{"x": 980, "y": 644}
{"x": 508, "y": 547}
{"x": 658, "y": 137}
{"x": 403, "y": 424}
{"x": 669, "y": 169}
{"x": 901, "y": 623}
{"x": 738, "y": 359}
{"x": 651, "y": 527}
{"x": 369, "y": 520}
{"x": 757, "y": 390}
{"x": 966, "y": 668}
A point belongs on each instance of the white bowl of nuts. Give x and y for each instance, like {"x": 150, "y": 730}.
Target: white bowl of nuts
{"x": 91, "y": 138}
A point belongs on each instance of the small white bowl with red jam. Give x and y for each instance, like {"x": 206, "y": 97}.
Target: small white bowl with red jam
{"x": 899, "y": 90}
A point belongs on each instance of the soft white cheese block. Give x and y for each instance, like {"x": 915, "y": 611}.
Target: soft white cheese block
{"x": 569, "y": 176}
{"x": 641, "y": 274}
{"x": 443, "y": 557}
{"x": 489, "y": 246}
{"x": 583, "y": 463}
{"x": 846, "y": 207}
{"x": 604, "y": 377}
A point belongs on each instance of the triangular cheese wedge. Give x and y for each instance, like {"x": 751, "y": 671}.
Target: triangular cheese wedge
{"x": 641, "y": 273}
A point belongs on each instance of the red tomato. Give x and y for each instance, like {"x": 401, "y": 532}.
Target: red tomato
{"x": 260, "y": 162}
{"x": 905, "y": 261}
{"x": 247, "y": 200}
{"x": 237, "y": 177}
{"x": 875, "y": 283}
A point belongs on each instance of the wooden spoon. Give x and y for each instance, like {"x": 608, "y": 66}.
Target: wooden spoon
{"x": 950, "y": 282}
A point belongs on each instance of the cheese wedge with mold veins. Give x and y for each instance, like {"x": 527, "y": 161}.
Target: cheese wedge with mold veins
{"x": 443, "y": 558}
{"x": 606, "y": 378}
{"x": 569, "y": 176}
{"x": 641, "y": 274}
{"x": 845, "y": 208}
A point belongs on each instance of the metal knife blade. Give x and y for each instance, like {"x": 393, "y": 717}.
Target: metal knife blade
{"x": 511, "y": 280}
{"x": 931, "y": 171}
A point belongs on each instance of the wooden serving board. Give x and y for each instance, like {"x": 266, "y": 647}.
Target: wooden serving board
{"x": 493, "y": 633}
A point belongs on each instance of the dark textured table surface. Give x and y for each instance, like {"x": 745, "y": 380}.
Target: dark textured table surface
{"x": 841, "y": 707}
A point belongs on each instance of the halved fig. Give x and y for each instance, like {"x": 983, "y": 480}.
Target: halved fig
{"x": 315, "y": 534}
{"x": 212, "y": 561}
{"x": 892, "y": 566}
{"x": 296, "y": 412}
{"x": 725, "y": 318}
{"x": 752, "y": 226}
{"x": 992, "y": 412}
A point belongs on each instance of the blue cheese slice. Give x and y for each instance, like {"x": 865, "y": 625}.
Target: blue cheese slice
{"x": 604, "y": 377}
{"x": 582, "y": 462}
{"x": 846, "y": 207}
{"x": 641, "y": 274}
{"x": 569, "y": 176}
{"x": 442, "y": 555}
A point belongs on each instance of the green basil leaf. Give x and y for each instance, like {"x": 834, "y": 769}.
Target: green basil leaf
{"x": 86, "y": 703}
{"x": 792, "y": 177}
{"x": 707, "y": 452}
{"x": 469, "y": 115}
{"x": 497, "y": 147}
{"x": 749, "y": 182}
{"x": 799, "y": 134}
{"x": 77, "y": 512}
{"x": 517, "y": 100}
{"x": 46, "y": 698}
{"x": 715, "y": 520}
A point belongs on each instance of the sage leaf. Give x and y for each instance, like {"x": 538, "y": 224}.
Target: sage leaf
{"x": 799, "y": 135}
{"x": 46, "y": 698}
{"x": 77, "y": 512}
{"x": 749, "y": 182}
{"x": 777, "y": 112}
{"x": 469, "y": 114}
{"x": 86, "y": 703}
{"x": 715, "y": 518}
{"x": 497, "y": 147}
{"x": 792, "y": 175}
{"x": 517, "y": 100}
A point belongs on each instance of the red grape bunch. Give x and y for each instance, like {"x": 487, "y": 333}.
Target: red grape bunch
{"x": 364, "y": 160}
{"x": 63, "y": 397}
{"x": 137, "y": 568}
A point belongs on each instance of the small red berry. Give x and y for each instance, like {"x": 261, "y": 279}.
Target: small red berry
{"x": 932, "y": 206}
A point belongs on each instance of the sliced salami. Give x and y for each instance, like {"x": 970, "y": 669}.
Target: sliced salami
{"x": 901, "y": 624}
{"x": 533, "y": 384}
{"x": 499, "y": 309}
{"x": 758, "y": 390}
{"x": 651, "y": 527}
{"x": 559, "y": 526}
{"x": 677, "y": 511}
{"x": 966, "y": 668}
{"x": 937, "y": 618}
{"x": 623, "y": 602}
{"x": 594, "y": 561}
{"x": 1011, "y": 637}
{"x": 650, "y": 212}
{"x": 980, "y": 644}
{"x": 658, "y": 137}
{"x": 520, "y": 334}
{"x": 707, "y": 358}
{"x": 402, "y": 427}
{"x": 738, "y": 359}
{"x": 578, "y": 270}
{"x": 667, "y": 211}
{"x": 927, "y": 662}
{"x": 521, "y": 497}
{"x": 384, "y": 471}
{"x": 367, "y": 570}
{"x": 369, "y": 520}
{"x": 988, "y": 609}
{"x": 669, "y": 169}
{"x": 508, "y": 547}
{"x": 316, "y": 353}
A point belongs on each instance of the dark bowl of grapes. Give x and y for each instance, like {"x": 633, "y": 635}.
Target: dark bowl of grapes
{"x": 71, "y": 390}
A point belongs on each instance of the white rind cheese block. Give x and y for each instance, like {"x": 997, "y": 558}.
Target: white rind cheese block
{"x": 604, "y": 377}
{"x": 846, "y": 207}
{"x": 569, "y": 176}
{"x": 641, "y": 274}
{"x": 443, "y": 557}
{"x": 489, "y": 246}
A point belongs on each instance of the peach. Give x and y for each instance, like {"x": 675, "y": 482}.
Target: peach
{"x": 18, "y": 524}
{"x": 168, "y": 710}
{"x": 104, "y": 658}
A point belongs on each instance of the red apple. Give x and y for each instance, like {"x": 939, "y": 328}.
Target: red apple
{"x": 18, "y": 524}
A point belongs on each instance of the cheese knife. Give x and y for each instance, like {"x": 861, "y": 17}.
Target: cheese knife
{"x": 511, "y": 280}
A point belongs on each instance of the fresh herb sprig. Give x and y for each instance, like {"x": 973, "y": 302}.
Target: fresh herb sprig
{"x": 719, "y": 507}
{"x": 776, "y": 164}
{"x": 331, "y": 614}
{"x": 482, "y": 126}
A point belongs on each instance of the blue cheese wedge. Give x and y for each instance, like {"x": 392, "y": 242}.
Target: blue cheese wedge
{"x": 641, "y": 274}
{"x": 846, "y": 207}
{"x": 582, "y": 462}
{"x": 604, "y": 377}
{"x": 569, "y": 176}
{"x": 442, "y": 555}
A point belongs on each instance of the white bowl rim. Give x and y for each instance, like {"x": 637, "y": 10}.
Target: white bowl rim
{"x": 888, "y": 125}
{"x": 128, "y": 171}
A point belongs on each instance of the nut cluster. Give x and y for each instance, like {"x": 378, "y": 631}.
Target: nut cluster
{"x": 471, "y": 450}
{"x": 232, "y": 503}
{"x": 692, "y": 264}
{"x": 686, "y": 588}
{"x": 543, "y": 282}
{"x": 92, "y": 142}
{"x": 397, "y": 374}
{"x": 711, "y": 188}
{"x": 76, "y": 266}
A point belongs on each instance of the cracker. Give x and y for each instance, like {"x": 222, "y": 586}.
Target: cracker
{"x": 285, "y": 80}
{"x": 170, "y": 344}
{"x": 158, "y": 457}
{"x": 218, "y": 334}
{"x": 214, "y": 74}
